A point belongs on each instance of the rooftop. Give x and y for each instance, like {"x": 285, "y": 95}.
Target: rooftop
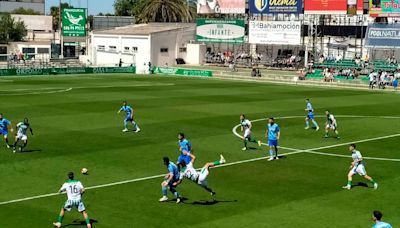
{"x": 145, "y": 29}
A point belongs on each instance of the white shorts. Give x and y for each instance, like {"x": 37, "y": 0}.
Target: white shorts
{"x": 359, "y": 169}
{"x": 190, "y": 165}
{"x": 22, "y": 137}
{"x": 203, "y": 177}
{"x": 69, "y": 204}
{"x": 247, "y": 133}
{"x": 331, "y": 126}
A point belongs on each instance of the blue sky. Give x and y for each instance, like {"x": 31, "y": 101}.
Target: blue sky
{"x": 95, "y": 6}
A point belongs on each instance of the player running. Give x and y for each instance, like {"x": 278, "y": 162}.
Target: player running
{"x": 245, "y": 126}
{"x": 273, "y": 133}
{"x": 22, "y": 128}
{"x": 198, "y": 177}
{"x": 129, "y": 117}
{"x": 75, "y": 190}
{"x": 185, "y": 147}
{"x": 172, "y": 177}
{"x": 331, "y": 124}
{"x": 310, "y": 115}
{"x": 357, "y": 167}
{"x": 377, "y": 216}
{"x": 4, "y": 126}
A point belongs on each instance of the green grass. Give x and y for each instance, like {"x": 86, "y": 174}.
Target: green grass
{"x": 80, "y": 128}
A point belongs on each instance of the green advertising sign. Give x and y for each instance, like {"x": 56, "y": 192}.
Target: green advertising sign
{"x": 185, "y": 72}
{"x": 220, "y": 31}
{"x": 69, "y": 70}
{"x": 74, "y": 22}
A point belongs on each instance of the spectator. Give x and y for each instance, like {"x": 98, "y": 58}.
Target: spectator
{"x": 395, "y": 83}
{"x": 377, "y": 216}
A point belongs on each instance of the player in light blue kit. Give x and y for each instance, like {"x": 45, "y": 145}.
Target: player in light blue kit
{"x": 4, "y": 126}
{"x": 377, "y": 216}
{"x": 310, "y": 116}
{"x": 169, "y": 180}
{"x": 273, "y": 134}
{"x": 185, "y": 147}
{"x": 129, "y": 117}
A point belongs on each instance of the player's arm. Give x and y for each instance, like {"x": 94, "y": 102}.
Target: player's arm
{"x": 266, "y": 133}
{"x": 30, "y": 129}
{"x": 120, "y": 110}
{"x": 168, "y": 178}
{"x": 10, "y": 127}
{"x": 278, "y": 135}
{"x": 250, "y": 126}
{"x": 193, "y": 157}
{"x": 62, "y": 189}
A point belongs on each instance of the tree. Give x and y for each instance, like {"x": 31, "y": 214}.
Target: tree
{"x": 164, "y": 11}
{"x": 11, "y": 30}
{"x": 125, "y": 7}
{"x": 55, "y": 13}
{"x": 24, "y": 11}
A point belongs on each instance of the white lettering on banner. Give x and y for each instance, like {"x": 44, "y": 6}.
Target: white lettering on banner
{"x": 275, "y": 32}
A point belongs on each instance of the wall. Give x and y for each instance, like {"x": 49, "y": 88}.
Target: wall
{"x": 36, "y": 22}
{"x": 10, "y": 6}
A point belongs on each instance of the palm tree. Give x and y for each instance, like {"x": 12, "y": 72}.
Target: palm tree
{"x": 165, "y": 11}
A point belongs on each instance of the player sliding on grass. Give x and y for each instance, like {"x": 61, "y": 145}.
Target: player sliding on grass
{"x": 357, "y": 167}
{"x": 273, "y": 133}
{"x": 331, "y": 124}
{"x": 129, "y": 117}
{"x": 310, "y": 116}
{"x": 172, "y": 177}
{"x": 198, "y": 177}
{"x": 22, "y": 128}
{"x": 4, "y": 126}
{"x": 75, "y": 190}
{"x": 245, "y": 125}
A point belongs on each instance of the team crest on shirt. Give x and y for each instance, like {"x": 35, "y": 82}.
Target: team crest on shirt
{"x": 261, "y": 5}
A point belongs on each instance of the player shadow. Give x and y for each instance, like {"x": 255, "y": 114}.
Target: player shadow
{"x": 252, "y": 148}
{"x": 211, "y": 202}
{"x": 79, "y": 222}
{"x": 360, "y": 184}
{"x": 30, "y": 151}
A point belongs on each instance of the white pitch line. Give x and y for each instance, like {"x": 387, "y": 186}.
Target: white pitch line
{"x": 38, "y": 93}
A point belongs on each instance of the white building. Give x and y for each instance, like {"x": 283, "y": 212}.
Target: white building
{"x": 158, "y": 43}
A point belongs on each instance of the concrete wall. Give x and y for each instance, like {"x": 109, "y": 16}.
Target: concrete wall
{"x": 36, "y": 22}
{"x": 10, "y": 6}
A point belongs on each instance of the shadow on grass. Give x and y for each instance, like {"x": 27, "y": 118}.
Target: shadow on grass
{"x": 79, "y": 222}
{"x": 30, "y": 151}
{"x": 360, "y": 184}
{"x": 211, "y": 202}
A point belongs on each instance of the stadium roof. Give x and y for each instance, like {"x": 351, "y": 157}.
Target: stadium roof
{"x": 145, "y": 29}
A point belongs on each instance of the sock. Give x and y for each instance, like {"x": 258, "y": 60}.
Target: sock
{"x": 307, "y": 124}
{"x": 60, "y": 219}
{"x": 348, "y": 183}
{"x": 372, "y": 181}
{"x": 245, "y": 143}
{"x": 164, "y": 191}
{"x": 126, "y": 124}
{"x": 276, "y": 151}
{"x": 315, "y": 123}
{"x": 87, "y": 221}
{"x": 135, "y": 125}
{"x": 271, "y": 152}
{"x": 254, "y": 140}
{"x": 7, "y": 142}
{"x": 216, "y": 163}
{"x": 208, "y": 189}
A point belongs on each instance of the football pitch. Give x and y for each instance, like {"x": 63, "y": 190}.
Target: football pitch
{"x": 76, "y": 125}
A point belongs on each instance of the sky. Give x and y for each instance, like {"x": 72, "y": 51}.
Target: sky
{"x": 95, "y": 6}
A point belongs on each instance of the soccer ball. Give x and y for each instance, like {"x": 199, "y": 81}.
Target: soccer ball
{"x": 84, "y": 171}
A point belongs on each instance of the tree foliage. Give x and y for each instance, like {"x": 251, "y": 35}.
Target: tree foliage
{"x": 55, "y": 13}
{"x": 165, "y": 11}
{"x": 24, "y": 11}
{"x": 10, "y": 29}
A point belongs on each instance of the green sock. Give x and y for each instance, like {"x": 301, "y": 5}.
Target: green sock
{"x": 372, "y": 181}
{"x": 87, "y": 221}
{"x": 254, "y": 140}
{"x": 349, "y": 183}
{"x": 245, "y": 143}
{"x": 216, "y": 163}
{"x": 60, "y": 219}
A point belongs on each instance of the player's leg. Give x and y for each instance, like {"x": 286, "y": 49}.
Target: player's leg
{"x": 336, "y": 132}
{"x": 60, "y": 218}
{"x": 135, "y": 125}
{"x": 327, "y": 128}
{"x": 246, "y": 137}
{"x": 87, "y": 219}
{"x": 24, "y": 139}
{"x": 361, "y": 170}
{"x": 370, "y": 179}
{"x": 271, "y": 152}
{"x": 307, "y": 123}
{"x": 276, "y": 151}
{"x": 315, "y": 124}
{"x": 126, "y": 121}
{"x": 174, "y": 192}
{"x": 215, "y": 163}
{"x": 5, "y": 135}
{"x": 349, "y": 179}
{"x": 14, "y": 146}
{"x": 164, "y": 191}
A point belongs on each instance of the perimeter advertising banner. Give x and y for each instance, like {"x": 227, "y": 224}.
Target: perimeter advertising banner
{"x": 220, "y": 31}
{"x": 323, "y": 6}
{"x": 74, "y": 22}
{"x": 275, "y": 6}
{"x": 221, "y": 6}
{"x": 383, "y": 36}
{"x": 275, "y": 32}
{"x": 384, "y": 8}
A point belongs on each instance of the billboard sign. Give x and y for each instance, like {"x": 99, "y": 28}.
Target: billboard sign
{"x": 383, "y": 36}
{"x": 74, "y": 22}
{"x": 384, "y": 8}
{"x": 220, "y": 31}
{"x": 221, "y": 6}
{"x": 325, "y": 7}
{"x": 275, "y": 32}
{"x": 275, "y": 6}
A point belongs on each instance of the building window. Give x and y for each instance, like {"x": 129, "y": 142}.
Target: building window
{"x": 164, "y": 50}
{"x": 182, "y": 49}
{"x": 101, "y": 48}
{"x": 126, "y": 49}
{"x": 112, "y": 48}
{"x": 134, "y": 49}
{"x": 43, "y": 50}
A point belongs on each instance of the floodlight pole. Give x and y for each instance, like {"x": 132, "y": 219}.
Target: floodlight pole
{"x": 60, "y": 29}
